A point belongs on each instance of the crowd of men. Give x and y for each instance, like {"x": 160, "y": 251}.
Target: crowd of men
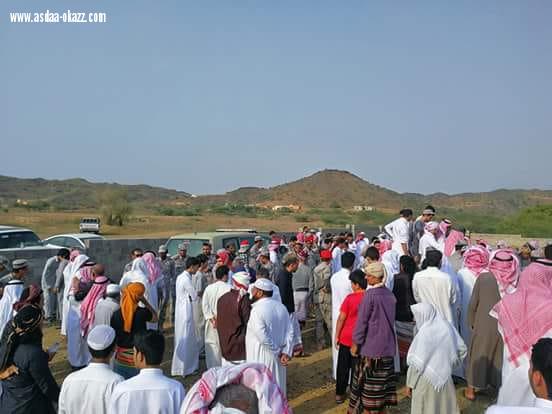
{"x": 421, "y": 298}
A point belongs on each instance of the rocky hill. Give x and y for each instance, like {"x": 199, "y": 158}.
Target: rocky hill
{"x": 324, "y": 189}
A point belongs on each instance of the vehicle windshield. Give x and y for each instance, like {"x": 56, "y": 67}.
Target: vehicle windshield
{"x": 18, "y": 239}
{"x": 194, "y": 246}
{"x": 90, "y": 221}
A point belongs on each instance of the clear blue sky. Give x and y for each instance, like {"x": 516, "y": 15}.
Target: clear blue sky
{"x": 204, "y": 97}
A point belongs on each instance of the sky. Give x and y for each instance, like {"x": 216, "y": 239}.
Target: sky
{"x": 208, "y": 96}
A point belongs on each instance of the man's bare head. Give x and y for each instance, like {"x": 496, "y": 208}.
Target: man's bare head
{"x": 98, "y": 269}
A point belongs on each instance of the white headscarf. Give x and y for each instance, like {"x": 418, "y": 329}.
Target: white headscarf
{"x": 138, "y": 273}
{"x": 437, "y": 346}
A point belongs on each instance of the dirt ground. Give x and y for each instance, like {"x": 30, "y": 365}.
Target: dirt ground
{"x": 310, "y": 387}
{"x": 142, "y": 224}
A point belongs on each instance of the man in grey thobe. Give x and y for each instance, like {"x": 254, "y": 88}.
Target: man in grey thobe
{"x": 48, "y": 283}
{"x": 169, "y": 277}
{"x": 417, "y": 229}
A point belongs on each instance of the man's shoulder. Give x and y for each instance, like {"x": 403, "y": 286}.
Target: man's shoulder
{"x": 320, "y": 267}
{"x": 341, "y": 274}
{"x": 497, "y": 409}
{"x": 85, "y": 374}
{"x": 226, "y": 296}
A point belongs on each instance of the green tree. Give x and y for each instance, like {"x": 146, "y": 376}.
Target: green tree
{"x": 115, "y": 207}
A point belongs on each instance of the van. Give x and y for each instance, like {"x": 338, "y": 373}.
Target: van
{"x": 217, "y": 239}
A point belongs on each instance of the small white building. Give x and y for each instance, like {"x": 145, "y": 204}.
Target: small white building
{"x": 363, "y": 208}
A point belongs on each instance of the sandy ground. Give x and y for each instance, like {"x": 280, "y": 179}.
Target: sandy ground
{"x": 143, "y": 224}
{"x": 310, "y": 387}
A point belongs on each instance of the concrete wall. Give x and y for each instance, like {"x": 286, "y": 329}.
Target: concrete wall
{"x": 114, "y": 254}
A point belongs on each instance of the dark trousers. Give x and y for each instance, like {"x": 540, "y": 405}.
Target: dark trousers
{"x": 345, "y": 368}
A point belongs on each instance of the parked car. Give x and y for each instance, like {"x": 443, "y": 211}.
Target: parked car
{"x": 16, "y": 238}
{"x": 218, "y": 239}
{"x": 89, "y": 225}
{"x": 69, "y": 241}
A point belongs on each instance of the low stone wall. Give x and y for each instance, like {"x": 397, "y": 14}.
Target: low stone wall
{"x": 36, "y": 259}
{"x": 113, "y": 253}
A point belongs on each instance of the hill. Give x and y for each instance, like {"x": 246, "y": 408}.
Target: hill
{"x": 78, "y": 193}
{"x": 324, "y": 189}
{"x": 318, "y": 190}
{"x": 330, "y": 187}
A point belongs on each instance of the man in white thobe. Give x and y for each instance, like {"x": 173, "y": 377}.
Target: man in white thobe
{"x": 360, "y": 247}
{"x": 341, "y": 287}
{"x": 269, "y": 337}
{"x": 337, "y": 252}
{"x": 435, "y": 287}
{"x": 150, "y": 391}
{"x": 540, "y": 379}
{"x": 48, "y": 283}
{"x": 399, "y": 230}
{"x": 429, "y": 240}
{"x": 89, "y": 389}
{"x": 186, "y": 349}
{"x": 12, "y": 292}
{"x": 107, "y": 306}
{"x": 210, "y": 298}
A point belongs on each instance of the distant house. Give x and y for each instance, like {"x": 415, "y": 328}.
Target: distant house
{"x": 291, "y": 207}
{"x": 363, "y": 208}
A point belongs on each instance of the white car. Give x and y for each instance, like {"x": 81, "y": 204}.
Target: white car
{"x": 76, "y": 240}
{"x": 16, "y": 238}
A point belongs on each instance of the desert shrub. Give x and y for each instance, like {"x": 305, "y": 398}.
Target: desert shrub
{"x": 115, "y": 207}
{"x": 336, "y": 218}
{"x": 530, "y": 222}
{"x": 302, "y": 218}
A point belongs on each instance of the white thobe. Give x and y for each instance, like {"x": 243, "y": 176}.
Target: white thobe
{"x": 77, "y": 349}
{"x": 336, "y": 259}
{"x": 186, "y": 350}
{"x": 466, "y": 281}
{"x": 88, "y": 390}
{"x": 426, "y": 241}
{"x": 68, "y": 273}
{"x": 148, "y": 392}
{"x": 360, "y": 246}
{"x": 541, "y": 407}
{"x": 104, "y": 311}
{"x": 269, "y": 334}
{"x": 48, "y": 282}
{"x": 341, "y": 287}
{"x": 399, "y": 231}
{"x": 12, "y": 293}
{"x": 436, "y": 288}
{"x": 211, "y": 295}
{"x": 515, "y": 389}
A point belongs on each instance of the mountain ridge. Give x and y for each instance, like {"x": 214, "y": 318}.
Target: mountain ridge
{"x": 323, "y": 189}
